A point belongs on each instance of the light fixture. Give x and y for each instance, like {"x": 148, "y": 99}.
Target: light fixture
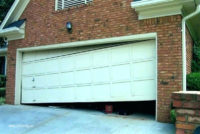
{"x": 69, "y": 26}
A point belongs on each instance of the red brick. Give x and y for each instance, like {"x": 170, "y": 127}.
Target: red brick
{"x": 180, "y": 131}
{"x": 180, "y": 118}
{"x": 189, "y": 97}
{"x": 177, "y": 103}
{"x": 191, "y": 105}
{"x": 176, "y": 96}
{"x": 194, "y": 119}
{"x": 185, "y": 111}
{"x": 185, "y": 126}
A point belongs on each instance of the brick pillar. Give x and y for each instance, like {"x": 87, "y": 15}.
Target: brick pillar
{"x": 187, "y": 106}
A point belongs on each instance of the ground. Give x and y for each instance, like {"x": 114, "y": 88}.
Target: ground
{"x": 23, "y": 119}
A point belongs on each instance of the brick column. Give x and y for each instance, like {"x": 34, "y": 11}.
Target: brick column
{"x": 187, "y": 106}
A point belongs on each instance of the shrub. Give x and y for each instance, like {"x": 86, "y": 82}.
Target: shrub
{"x": 2, "y": 86}
{"x": 193, "y": 82}
{"x": 173, "y": 115}
{"x": 2, "y": 100}
{"x": 2, "y": 81}
{"x": 2, "y": 92}
{"x": 196, "y": 58}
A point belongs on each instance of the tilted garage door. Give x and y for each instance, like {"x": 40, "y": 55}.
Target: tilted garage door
{"x": 117, "y": 73}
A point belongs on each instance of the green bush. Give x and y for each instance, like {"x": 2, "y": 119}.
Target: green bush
{"x": 2, "y": 89}
{"x": 193, "y": 82}
{"x": 2, "y": 100}
{"x": 196, "y": 58}
{"x": 173, "y": 115}
{"x": 2, "y": 81}
{"x": 2, "y": 92}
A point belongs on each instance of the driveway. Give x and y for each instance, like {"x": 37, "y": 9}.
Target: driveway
{"x": 52, "y": 120}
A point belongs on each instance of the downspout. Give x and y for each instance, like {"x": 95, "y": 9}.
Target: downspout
{"x": 184, "y": 51}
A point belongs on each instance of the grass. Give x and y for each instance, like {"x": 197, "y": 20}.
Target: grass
{"x": 2, "y": 100}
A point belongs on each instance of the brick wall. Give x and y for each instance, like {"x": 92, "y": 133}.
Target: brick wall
{"x": 189, "y": 43}
{"x": 103, "y": 19}
{"x": 187, "y": 105}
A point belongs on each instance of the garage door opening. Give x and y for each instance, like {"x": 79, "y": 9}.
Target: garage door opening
{"x": 139, "y": 110}
{"x": 123, "y": 75}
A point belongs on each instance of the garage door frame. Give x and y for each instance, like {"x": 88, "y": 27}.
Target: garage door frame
{"x": 20, "y": 51}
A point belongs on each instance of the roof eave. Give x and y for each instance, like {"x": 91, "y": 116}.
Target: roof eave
{"x": 12, "y": 33}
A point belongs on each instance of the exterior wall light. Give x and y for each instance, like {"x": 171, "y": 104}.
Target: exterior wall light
{"x": 69, "y": 27}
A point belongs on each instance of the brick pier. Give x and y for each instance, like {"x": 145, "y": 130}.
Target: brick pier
{"x": 187, "y": 105}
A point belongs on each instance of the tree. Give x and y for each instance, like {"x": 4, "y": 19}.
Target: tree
{"x": 4, "y": 7}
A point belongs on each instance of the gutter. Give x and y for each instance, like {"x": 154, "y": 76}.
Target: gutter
{"x": 8, "y": 31}
{"x": 184, "y": 51}
{"x": 147, "y": 2}
{"x": 12, "y": 33}
{"x": 3, "y": 51}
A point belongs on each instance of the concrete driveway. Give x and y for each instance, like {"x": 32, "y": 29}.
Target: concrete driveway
{"x": 49, "y": 120}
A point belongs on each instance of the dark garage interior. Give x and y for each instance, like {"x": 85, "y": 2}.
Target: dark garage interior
{"x": 119, "y": 108}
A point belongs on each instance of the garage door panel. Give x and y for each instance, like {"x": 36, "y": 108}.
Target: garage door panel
{"x": 67, "y": 79}
{"x": 120, "y": 90}
{"x": 143, "y": 70}
{"x": 49, "y": 66}
{"x": 100, "y": 75}
{"x": 82, "y": 61}
{"x": 28, "y": 57}
{"x": 120, "y": 54}
{"x": 48, "y": 95}
{"x": 53, "y": 81}
{"x": 41, "y": 67}
{"x": 101, "y": 92}
{"x": 145, "y": 51}
{"x": 46, "y": 81}
{"x": 83, "y": 93}
{"x": 29, "y": 83}
{"x": 83, "y": 77}
{"x": 42, "y": 82}
{"x": 144, "y": 88}
{"x": 100, "y": 58}
{"x": 28, "y": 68}
{"x": 44, "y": 54}
{"x": 120, "y": 73}
{"x": 66, "y": 63}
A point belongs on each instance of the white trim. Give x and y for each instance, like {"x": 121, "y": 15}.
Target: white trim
{"x": 20, "y": 52}
{"x": 161, "y": 12}
{"x": 158, "y": 8}
{"x": 92, "y": 42}
{"x": 156, "y": 40}
{"x": 13, "y": 33}
{"x": 56, "y": 5}
{"x": 8, "y": 30}
{"x": 18, "y": 78}
{"x": 3, "y": 51}
{"x": 147, "y": 3}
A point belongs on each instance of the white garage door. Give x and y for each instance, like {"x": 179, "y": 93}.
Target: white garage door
{"x": 119, "y": 73}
